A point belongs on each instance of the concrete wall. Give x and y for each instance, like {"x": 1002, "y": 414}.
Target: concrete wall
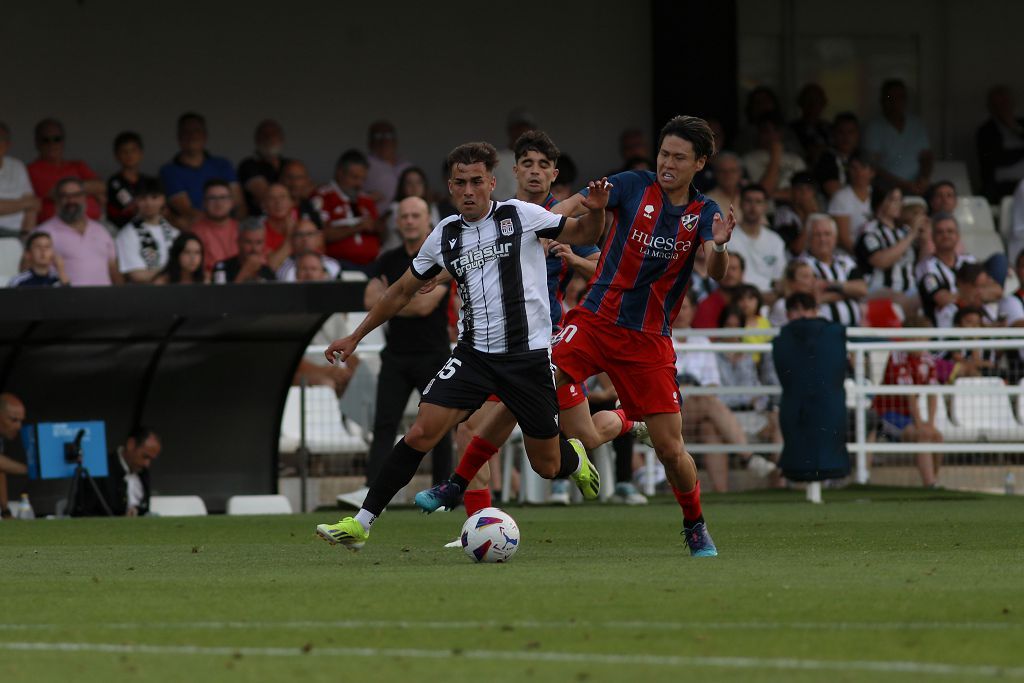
{"x": 444, "y": 73}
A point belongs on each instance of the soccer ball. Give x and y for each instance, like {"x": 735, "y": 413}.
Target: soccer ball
{"x": 490, "y": 535}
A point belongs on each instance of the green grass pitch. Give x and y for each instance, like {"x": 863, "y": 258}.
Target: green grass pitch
{"x": 875, "y": 585}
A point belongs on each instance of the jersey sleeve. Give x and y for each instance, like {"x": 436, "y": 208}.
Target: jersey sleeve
{"x": 428, "y": 261}
{"x": 707, "y": 220}
{"x": 539, "y": 220}
{"x": 868, "y": 243}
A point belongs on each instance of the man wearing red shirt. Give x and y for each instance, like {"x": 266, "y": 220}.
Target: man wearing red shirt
{"x": 51, "y": 166}
{"x": 348, "y": 215}
{"x": 714, "y": 303}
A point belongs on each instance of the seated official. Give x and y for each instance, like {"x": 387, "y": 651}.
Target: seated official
{"x": 12, "y": 455}
{"x": 126, "y": 486}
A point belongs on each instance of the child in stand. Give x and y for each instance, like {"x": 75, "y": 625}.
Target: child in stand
{"x": 749, "y": 300}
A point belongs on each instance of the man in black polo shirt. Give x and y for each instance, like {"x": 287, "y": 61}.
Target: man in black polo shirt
{"x": 417, "y": 344}
{"x": 250, "y": 265}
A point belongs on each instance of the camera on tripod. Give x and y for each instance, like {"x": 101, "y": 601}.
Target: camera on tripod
{"x": 73, "y": 449}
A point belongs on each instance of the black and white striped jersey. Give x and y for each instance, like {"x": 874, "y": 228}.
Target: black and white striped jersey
{"x": 898, "y": 277}
{"x": 933, "y": 276}
{"x": 499, "y": 266}
{"x": 842, "y": 269}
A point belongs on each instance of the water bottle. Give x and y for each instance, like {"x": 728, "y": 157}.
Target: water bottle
{"x": 26, "y": 508}
{"x": 1011, "y": 481}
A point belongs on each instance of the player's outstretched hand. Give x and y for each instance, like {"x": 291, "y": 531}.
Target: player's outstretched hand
{"x": 597, "y": 197}
{"x": 340, "y": 349}
{"x": 721, "y": 229}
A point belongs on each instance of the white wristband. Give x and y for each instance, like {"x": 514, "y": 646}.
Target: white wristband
{"x": 720, "y": 249}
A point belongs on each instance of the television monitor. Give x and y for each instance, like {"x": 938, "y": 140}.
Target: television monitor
{"x": 49, "y": 447}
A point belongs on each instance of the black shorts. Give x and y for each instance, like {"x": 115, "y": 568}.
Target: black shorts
{"x": 524, "y": 382}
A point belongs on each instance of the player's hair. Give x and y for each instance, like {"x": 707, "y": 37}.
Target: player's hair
{"x": 536, "y": 141}
{"x": 730, "y": 311}
{"x": 35, "y": 237}
{"x": 753, "y": 187}
{"x": 800, "y": 301}
{"x": 126, "y": 137}
{"x": 351, "y": 157}
{"x": 879, "y": 193}
{"x": 473, "y": 153}
{"x": 962, "y": 313}
{"x": 969, "y": 273}
{"x": 695, "y": 130}
{"x": 190, "y": 116}
{"x": 215, "y": 182}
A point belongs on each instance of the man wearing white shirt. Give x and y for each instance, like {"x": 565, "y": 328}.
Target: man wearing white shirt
{"x": 851, "y": 204}
{"x": 762, "y": 249}
{"x": 144, "y": 243}
{"x": 18, "y": 202}
{"x": 125, "y": 489}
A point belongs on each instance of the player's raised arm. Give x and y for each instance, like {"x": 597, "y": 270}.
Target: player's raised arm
{"x": 718, "y": 254}
{"x": 588, "y": 228}
{"x": 387, "y": 307}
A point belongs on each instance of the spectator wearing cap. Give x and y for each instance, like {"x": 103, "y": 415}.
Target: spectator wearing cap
{"x": 250, "y": 263}
{"x": 18, "y": 202}
{"x": 216, "y": 229}
{"x": 257, "y": 172}
{"x": 832, "y": 168}
{"x": 519, "y": 121}
{"x": 123, "y": 186}
{"x": 144, "y": 244}
{"x": 898, "y": 142}
{"x": 1000, "y": 142}
{"x": 41, "y": 270}
{"x": 85, "y": 247}
{"x": 348, "y": 214}
{"x": 386, "y": 167}
{"x": 185, "y": 176}
{"x": 51, "y": 166}
{"x": 850, "y": 205}
{"x": 791, "y": 216}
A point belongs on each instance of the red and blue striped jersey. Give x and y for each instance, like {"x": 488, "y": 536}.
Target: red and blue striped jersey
{"x": 559, "y": 272}
{"x": 648, "y": 254}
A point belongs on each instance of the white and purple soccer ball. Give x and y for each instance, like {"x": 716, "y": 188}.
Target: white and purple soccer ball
{"x": 490, "y": 535}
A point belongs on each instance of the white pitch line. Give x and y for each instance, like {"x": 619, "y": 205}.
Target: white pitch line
{"x": 454, "y": 625}
{"x": 788, "y": 663}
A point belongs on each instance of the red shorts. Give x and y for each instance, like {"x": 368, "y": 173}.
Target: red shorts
{"x": 571, "y": 395}
{"x": 642, "y": 366}
{"x": 493, "y": 398}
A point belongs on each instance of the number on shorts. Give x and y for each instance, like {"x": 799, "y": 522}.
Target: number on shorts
{"x": 567, "y": 333}
{"x": 449, "y": 368}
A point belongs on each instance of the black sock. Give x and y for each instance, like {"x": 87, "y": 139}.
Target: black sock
{"x": 570, "y": 459}
{"x": 459, "y": 481}
{"x": 397, "y": 471}
{"x": 690, "y": 523}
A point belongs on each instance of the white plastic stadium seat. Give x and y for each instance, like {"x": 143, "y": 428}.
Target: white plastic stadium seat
{"x": 259, "y": 505}
{"x": 1020, "y": 404}
{"x": 1006, "y": 217}
{"x": 326, "y": 432}
{"x": 981, "y": 245}
{"x": 956, "y": 173}
{"x": 353, "y": 276}
{"x": 177, "y": 506}
{"x": 988, "y": 415}
{"x": 974, "y": 214}
{"x": 375, "y": 337}
{"x": 10, "y": 258}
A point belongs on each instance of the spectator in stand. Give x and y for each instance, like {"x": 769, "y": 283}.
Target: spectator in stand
{"x": 914, "y": 213}
{"x": 941, "y": 198}
{"x": 1000, "y": 142}
{"x": 706, "y": 419}
{"x": 519, "y": 121}
{"x": 83, "y": 245}
{"x": 51, "y": 166}
{"x": 186, "y": 175}
{"x": 791, "y": 215}
{"x": 257, "y": 172}
{"x": 12, "y": 455}
{"x": 281, "y": 219}
{"x": 295, "y": 177}
{"x": 185, "y": 264}
{"x": 349, "y": 215}
{"x": 763, "y": 251}
{"x": 307, "y": 239}
{"x": 1011, "y": 312}
{"x": 250, "y": 264}
{"x": 801, "y": 305}
{"x": 217, "y": 230}
{"x": 976, "y": 362}
{"x": 564, "y": 185}
{"x": 886, "y": 251}
{"x": 712, "y": 305}
{"x": 842, "y": 286}
{"x": 748, "y": 299}
{"x": 770, "y": 164}
{"x": 728, "y": 180}
{"x": 411, "y": 183}
{"x": 976, "y": 289}
{"x": 937, "y": 275}
{"x": 832, "y": 168}
{"x": 898, "y": 143}
{"x": 763, "y": 102}
{"x": 126, "y": 488}
{"x": 851, "y": 204}
{"x": 18, "y": 202}
{"x": 386, "y": 168}
{"x": 811, "y": 129}
{"x": 633, "y": 144}
{"x": 798, "y": 278}
{"x": 41, "y": 266}
{"x": 144, "y": 244}
{"x": 315, "y": 371}
{"x": 123, "y": 186}
{"x": 738, "y": 369}
{"x": 901, "y": 414}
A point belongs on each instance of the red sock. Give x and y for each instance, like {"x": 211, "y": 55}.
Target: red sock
{"x": 690, "y": 502}
{"x": 476, "y": 500}
{"x": 627, "y": 424}
{"x": 478, "y": 452}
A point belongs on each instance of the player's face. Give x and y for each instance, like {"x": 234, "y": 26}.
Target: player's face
{"x": 470, "y": 186}
{"x": 535, "y": 173}
{"x": 677, "y": 163}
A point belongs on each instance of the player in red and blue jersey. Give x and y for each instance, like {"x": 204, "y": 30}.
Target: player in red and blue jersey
{"x": 535, "y": 170}
{"x": 623, "y": 326}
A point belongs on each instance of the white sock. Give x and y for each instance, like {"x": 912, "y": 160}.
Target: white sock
{"x": 366, "y": 518}
{"x": 579, "y": 466}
